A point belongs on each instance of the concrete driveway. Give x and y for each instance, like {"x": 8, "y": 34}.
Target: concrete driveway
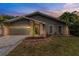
{"x": 8, "y": 43}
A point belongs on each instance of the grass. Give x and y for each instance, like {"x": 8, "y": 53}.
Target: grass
{"x": 57, "y": 46}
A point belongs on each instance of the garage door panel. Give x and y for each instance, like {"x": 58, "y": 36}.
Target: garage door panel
{"x": 19, "y": 31}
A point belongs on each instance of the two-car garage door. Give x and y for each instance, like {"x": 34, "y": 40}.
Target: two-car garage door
{"x": 19, "y": 31}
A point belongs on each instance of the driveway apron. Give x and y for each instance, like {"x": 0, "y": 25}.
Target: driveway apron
{"x": 8, "y": 43}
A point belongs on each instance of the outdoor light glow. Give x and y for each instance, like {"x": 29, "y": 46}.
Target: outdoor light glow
{"x": 28, "y": 27}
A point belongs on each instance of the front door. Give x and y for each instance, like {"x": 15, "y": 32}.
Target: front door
{"x": 35, "y": 29}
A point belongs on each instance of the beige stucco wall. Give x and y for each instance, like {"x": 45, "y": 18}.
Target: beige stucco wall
{"x": 24, "y": 24}
{"x": 42, "y": 32}
{"x": 49, "y": 21}
{"x": 6, "y": 31}
{"x": 66, "y": 30}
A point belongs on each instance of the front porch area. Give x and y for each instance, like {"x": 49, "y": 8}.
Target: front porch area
{"x": 37, "y": 29}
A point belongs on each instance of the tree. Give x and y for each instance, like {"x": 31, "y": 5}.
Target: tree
{"x": 74, "y": 29}
{"x": 71, "y": 20}
{"x": 7, "y": 16}
{"x": 2, "y": 19}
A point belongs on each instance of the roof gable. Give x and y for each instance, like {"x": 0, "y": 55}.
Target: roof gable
{"x": 33, "y": 14}
{"x": 45, "y": 15}
{"x": 17, "y": 19}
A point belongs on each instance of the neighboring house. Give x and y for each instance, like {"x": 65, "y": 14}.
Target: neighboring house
{"x": 35, "y": 24}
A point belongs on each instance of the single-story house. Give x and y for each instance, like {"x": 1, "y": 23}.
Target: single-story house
{"x": 35, "y": 24}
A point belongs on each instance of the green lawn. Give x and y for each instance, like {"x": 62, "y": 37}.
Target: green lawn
{"x": 57, "y": 46}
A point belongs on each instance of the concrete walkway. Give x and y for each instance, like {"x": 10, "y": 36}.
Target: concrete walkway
{"x": 8, "y": 43}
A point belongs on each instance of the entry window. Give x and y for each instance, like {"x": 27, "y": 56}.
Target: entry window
{"x": 60, "y": 29}
{"x": 50, "y": 29}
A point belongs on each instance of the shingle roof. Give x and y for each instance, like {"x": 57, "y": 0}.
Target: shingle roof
{"x": 18, "y": 18}
{"x": 46, "y": 15}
